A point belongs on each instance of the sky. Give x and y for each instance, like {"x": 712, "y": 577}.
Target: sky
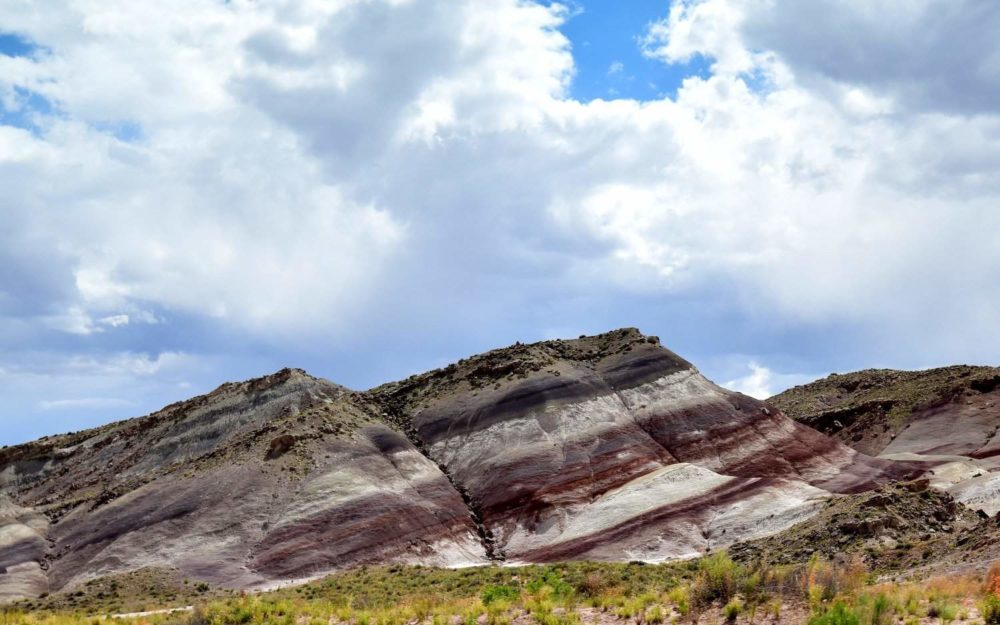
{"x": 196, "y": 191}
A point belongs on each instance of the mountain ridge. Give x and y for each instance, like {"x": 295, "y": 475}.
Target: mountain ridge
{"x": 862, "y": 400}
{"x": 608, "y": 447}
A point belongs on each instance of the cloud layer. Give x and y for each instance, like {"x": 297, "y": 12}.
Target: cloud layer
{"x": 266, "y": 183}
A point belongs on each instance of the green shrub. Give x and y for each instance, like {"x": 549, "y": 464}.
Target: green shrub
{"x": 944, "y": 610}
{"x": 838, "y": 614}
{"x": 989, "y": 609}
{"x": 882, "y": 610}
{"x": 679, "y": 597}
{"x": 555, "y": 583}
{"x": 732, "y": 610}
{"x": 500, "y": 593}
{"x": 718, "y": 579}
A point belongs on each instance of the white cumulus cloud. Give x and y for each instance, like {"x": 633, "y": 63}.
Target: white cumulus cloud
{"x": 757, "y": 383}
{"x": 326, "y": 173}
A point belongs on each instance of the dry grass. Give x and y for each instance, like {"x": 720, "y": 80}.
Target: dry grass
{"x": 714, "y": 589}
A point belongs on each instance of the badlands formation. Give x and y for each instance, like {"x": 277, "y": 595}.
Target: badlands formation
{"x": 608, "y": 447}
{"x": 947, "y": 417}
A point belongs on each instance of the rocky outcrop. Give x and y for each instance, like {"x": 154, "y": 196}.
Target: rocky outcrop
{"x": 607, "y": 447}
{"x": 948, "y": 418}
{"x": 901, "y": 527}
{"x": 884, "y": 411}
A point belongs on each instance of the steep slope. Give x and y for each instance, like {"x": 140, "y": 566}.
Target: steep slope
{"x": 280, "y": 477}
{"x": 607, "y": 447}
{"x": 948, "y": 416}
{"x": 613, "y": 446}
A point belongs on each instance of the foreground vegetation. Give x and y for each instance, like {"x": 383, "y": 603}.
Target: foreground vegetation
{"x": 714, "y": 589}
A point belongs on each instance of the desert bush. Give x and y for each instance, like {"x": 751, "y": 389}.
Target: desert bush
{"x": 837, "y": 614}
{"x": 594, "y": 584}
{"x": 993, "y": 580}
{"x": 732, "y": 610}
{"x": 820, "y": 581}
{"x": 774, "y": 608}
{"x": 942, "y": 609}
{"x": 550, "y": 584}
{"x": 952, "y": 586}
{"x": 500, "y": 593}
{"x": 876, "y": 610}
{"x": 679, "y": 597}
{"x": 752, "y": 588}
{"x": 717, "y": 580}
{"x": 471, "y": 612}
{"x": 989, "y": 609}
{"x": 628, "y": 610}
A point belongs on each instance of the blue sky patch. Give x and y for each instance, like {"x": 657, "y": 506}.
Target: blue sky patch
{"x": 128, "y": 131}
{"x": 609, "y": 61}
{"x": 25, "y": 110}
{"x": 16, "y": 45}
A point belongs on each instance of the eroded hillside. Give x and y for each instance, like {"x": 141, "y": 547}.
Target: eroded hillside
{"x": 605, "y": 448}
{"x": 949, "y": 417}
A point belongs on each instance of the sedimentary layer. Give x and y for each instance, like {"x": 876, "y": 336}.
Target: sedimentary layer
{"x": 948, "y": 418}
{"x": 279, "y": 478}
{"x": 607, "y": 447}
{"x": 547, "y": 439}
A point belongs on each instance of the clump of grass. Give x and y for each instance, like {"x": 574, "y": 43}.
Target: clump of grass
{"x": 942, "y": 609}
{"x": 472, "y": 612}
{"x": 882, "y": 611}
{"x": 680, "y": 598}
{"x": 732, "y": 610}
{"x": 551, "y": 584}
{"x": 989, "y": 609}
{"x": 838, "y": 614}
{"x": 491, "y": 594}
{"x": 717, "y": 579}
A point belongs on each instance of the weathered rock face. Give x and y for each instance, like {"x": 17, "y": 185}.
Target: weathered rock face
{"x": 277, "y": 478}
{"x": 374, "y": 499}
{"x": 611, "y": 446}
{"x": 23, "y": 544}
{"x": 606, "y": 447}
{"x": 883, "y": 411}
{"x": 948, "y": 418}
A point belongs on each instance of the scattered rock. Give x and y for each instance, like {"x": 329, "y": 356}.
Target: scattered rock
{"x": 280, "y": 446}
